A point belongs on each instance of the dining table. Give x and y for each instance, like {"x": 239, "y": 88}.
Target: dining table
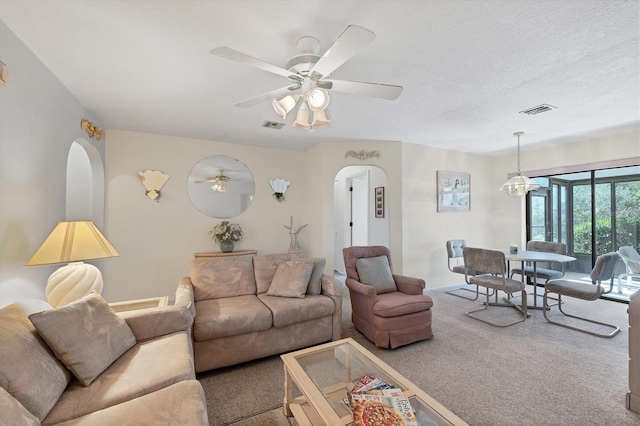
{"x": 535, "y": 257}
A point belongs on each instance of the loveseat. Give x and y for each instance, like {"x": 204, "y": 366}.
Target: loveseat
{"x": 248, "y": 307}
{"x": 151, "y": 382}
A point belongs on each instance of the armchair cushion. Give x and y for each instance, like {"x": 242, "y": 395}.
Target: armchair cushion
{"x": 291, "y": 279}
{"x": 375, "y": 271}
{"x": 396, "y": 304}
{"x": 86, "y": 335}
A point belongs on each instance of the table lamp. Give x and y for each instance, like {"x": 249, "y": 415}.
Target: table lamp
{"x": 73, "y": 242}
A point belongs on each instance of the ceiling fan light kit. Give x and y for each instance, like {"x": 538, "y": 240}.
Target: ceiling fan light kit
{"x": 309, "y": 74}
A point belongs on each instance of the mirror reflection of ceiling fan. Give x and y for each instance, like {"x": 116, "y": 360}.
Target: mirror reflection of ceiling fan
{"x": 219, "y": 182}
{"x": 308, "y": 74}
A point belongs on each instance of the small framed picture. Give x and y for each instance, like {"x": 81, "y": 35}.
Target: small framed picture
{"x": 454, "y": 192}
{"x": 379, "y": 201}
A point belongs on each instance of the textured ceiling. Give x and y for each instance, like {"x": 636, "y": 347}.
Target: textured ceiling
{"x": 467, "y": 67}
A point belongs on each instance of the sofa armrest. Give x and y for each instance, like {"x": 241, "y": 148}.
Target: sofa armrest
{"x": 333, "y": 289}
{"x": 185, "y": 295}
{"x": 150, "y": 323}
{"x": 409, "y": 285}
{"x": 331, "y": 286}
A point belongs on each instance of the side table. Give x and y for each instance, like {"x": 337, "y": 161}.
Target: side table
{"x": 232, "y": 253}
{"x": 132, "y": 305}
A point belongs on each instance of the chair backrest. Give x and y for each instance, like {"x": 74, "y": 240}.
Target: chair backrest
{"x": 352, "y": 254}
{"x": 479, "y": 260}
{"x": 547, "y": 246}
{"x": 631, "y": 259}
{"x": 455, "y": 247}
{"x": 604, "y": 268}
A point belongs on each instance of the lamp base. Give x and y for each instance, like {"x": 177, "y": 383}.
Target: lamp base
{"x": 72, "y": 282}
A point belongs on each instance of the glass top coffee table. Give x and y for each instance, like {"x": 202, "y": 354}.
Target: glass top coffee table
{"x": 325, "y": 373}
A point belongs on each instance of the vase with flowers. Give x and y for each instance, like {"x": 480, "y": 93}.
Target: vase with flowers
{"x": 226, "y": 234}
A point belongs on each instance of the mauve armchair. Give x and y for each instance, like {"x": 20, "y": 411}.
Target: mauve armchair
{"x": 392, "y": 318}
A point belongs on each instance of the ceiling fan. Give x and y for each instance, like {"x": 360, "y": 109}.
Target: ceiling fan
{"x": 308, "y": 74}
{"x": 219, "y": 182}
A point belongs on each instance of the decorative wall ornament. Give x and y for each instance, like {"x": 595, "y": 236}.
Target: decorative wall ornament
{"x": 294, "y": 248}
{"x": 3, "y": 72}
{"x": 92, "y": 130}
{"x": 279, "y": 187}
{"x": 153, "y": 181}
{"x": 362, "y": 155}
{"x": 454, "y": 191}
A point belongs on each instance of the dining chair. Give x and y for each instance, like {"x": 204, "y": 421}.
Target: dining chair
{"x": 603, "y": 270}
{"x": 455, "y": 263}
{"x": 631, "y": 260}
{"x": 488, "y": 268}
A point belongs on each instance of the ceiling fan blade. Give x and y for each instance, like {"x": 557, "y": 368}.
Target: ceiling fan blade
{"x": 278, "y": 93}
{"x": 234, "y": 55}
{"x": 209, "y": 180}
{"x": 346, "y": 45}
{"x": 383, "y": 91}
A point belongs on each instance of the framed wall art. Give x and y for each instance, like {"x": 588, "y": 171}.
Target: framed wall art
{"x": 379, "y": 201}
{"x": 454, "y": 191}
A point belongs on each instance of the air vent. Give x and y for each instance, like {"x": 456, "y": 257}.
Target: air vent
{"x": 273, "y": 125}
{"x": 538, "y": 109}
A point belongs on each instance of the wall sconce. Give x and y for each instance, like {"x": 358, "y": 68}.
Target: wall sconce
{"x": 92, "y": 130}
{"x": 279, "y": 187}
{"x": 153, "y": 181}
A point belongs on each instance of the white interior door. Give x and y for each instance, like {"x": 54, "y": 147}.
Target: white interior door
{"x": 359, "y": 210}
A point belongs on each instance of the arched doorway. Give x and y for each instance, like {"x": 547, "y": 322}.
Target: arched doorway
{"x": 355, "y": 221}
{"x": 85, "y": 183}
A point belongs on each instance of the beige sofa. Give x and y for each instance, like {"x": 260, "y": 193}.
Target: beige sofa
{"x": 237, "y": 320}
{"x": 153, "y": 382}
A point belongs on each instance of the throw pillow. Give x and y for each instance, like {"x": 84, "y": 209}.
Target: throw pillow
{"x": 315, "y": 282}
{"x": 291, "y": 279}
{"x": 375, "y": 271}
{"x": 86, "y": 335}
{"x": 265, "y": 267}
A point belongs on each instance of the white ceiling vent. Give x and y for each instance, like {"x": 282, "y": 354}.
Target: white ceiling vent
{"x": 538, "y": 109}
{"x": 273, "y": 125}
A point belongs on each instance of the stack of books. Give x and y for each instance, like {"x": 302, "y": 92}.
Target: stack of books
{"x": 374, "y": 402}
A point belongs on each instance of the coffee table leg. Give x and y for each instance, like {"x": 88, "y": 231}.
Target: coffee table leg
{"x": 287, "y": 392}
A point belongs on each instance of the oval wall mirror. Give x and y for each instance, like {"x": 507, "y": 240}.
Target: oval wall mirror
{"x": 221, "y": 186}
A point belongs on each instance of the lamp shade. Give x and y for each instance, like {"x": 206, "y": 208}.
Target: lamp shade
{"x": 73, "y": 241}
{"x": 318, "y": 99}
{"x": 284, "y": 105}
{"x": 519, "y": 185}
{"x": 302, "y": 119}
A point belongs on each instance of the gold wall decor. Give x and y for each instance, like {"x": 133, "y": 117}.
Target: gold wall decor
{"x": 3, "y": 72}
{"x": 92, "y": 130}
{"x": 362, "y": 155}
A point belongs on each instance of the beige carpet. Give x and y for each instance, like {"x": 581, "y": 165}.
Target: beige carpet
{"x": 532, "y": 373}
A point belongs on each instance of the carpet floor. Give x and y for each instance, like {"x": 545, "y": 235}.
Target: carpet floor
{"x": 532, "y": 373}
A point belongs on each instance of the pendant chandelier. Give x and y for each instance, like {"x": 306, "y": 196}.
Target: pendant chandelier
{"x": 519, "y": 185}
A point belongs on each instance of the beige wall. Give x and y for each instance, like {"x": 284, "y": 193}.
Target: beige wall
{"x": 157, "y": 240}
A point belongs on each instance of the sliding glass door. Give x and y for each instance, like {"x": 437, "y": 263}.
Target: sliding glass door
{"x": 593, "y": 212}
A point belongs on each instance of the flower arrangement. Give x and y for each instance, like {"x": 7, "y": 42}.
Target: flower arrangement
{"x": 225, "y": 232}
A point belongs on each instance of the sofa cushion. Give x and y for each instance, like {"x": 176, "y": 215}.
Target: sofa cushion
{"x": 29, "y": 370}
{"x": 398, "y": 304}
{"x": 291, "y": 279}
{"x": 147, "y": 367}
{"x": 230, "y": 316}
{"x": 86, "y": 335}
{"x": 376, "y": 272}
{"x": 315, "y": 282}
{"x": 218, "y": 277}
{"x": 182, "y": 403}
{"x": 287, "y": 311}
{"x": 265, "y": 267}
{"x": 13, "y": 413}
